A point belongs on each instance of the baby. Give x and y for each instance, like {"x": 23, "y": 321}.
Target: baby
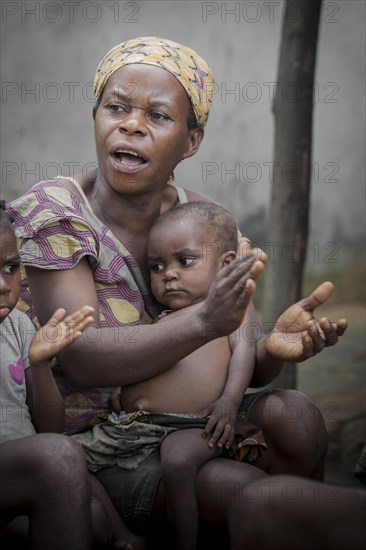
{"x": 187, "y": 246}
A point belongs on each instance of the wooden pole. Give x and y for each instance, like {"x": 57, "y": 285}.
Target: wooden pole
{"x": 289, "y": 212}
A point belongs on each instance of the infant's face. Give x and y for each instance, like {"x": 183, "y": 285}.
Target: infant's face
{"x": 9, "y": 271}
{"x": 183, "y": 260}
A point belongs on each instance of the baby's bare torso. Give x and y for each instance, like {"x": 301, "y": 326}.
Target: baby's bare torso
{"x": 188, "y": 385}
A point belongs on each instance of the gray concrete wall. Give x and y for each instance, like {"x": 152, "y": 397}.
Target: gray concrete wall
{"x": 50, "y": 50}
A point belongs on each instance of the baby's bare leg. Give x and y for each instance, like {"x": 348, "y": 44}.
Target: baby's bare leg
{"x": 45, "y": 477}
{"x": 182, "y": 454}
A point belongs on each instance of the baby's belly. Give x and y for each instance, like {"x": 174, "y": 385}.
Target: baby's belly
{"x": 186, "y": 387}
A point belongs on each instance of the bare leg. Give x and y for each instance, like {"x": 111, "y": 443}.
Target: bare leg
{"x": 182, "y": 454}
{"x": 108, "y": 524}
{"x": 271, "y": 512}
{"x": 298, "y": 514}
{"x": 45, "y": 477}
{"x": 295, "y": 433}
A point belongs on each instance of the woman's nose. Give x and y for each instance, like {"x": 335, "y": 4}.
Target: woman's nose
{"x": 133, "y": 123}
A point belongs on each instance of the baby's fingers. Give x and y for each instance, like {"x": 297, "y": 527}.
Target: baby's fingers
{"x": 220, "y": 436}
{"x": 211, "y": 423}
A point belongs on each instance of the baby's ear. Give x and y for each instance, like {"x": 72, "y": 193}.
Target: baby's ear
{"x": 228, "y": 257}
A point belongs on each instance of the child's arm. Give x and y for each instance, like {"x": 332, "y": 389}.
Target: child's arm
{"x": 43, "y": 397}
{"x": 223, "y": 411}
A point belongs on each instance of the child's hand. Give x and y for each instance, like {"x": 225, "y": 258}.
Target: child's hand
{"x": 58, "y": 333}
{"x": 222, "y": 422}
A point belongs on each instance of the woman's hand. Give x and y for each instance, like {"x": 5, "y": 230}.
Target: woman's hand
{"x": 58, "y": 333}
{"x": 224, "y": 308}
{"x": 298, "y": 335}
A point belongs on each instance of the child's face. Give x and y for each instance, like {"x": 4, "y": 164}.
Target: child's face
{"x": 183, "y": 260}
{"x": 9, "y": 271}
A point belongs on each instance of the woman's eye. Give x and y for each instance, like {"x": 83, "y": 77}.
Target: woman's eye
{"x": 115, "y": 108}
{"x": 158, "y": 116}
{"x": 186, "y": 261}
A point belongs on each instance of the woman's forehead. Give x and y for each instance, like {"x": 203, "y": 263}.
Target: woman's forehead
{"x": 154, "y": 83}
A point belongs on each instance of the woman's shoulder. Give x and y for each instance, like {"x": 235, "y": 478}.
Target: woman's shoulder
{"x": 196, "y": 196}
{"x": 58, "y": 190}
{"x": 47, "y": 200}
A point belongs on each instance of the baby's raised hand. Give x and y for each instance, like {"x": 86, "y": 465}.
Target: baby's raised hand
{"x": 58, "y": 333}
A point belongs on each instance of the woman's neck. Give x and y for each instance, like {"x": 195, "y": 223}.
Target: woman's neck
{"x": 134, "y": 214}
{"x": 129, "y": 218}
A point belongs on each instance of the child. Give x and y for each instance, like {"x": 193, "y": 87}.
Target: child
{"x": 30, "y": 399}
{"x": 187, "y": 246}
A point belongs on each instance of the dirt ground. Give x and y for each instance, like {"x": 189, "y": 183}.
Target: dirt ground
{"x": 336, "y": 381}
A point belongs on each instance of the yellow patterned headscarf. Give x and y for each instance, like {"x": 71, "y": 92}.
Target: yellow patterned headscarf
{"x": 185, "y": 64}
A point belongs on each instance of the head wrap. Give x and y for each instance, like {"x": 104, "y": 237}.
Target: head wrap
{"x": 183, "y": 63}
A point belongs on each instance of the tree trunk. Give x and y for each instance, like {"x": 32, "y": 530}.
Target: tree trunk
{"x": 289, "y": 213}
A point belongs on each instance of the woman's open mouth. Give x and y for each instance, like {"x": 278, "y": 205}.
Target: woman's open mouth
{"x": 126, "y": 160}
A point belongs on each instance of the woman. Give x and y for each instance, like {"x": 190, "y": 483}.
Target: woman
{"x": 84, "y": 242}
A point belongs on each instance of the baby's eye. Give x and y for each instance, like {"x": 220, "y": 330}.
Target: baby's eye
{"x": 186, "y": 261}
{"x": 156, "y": 268}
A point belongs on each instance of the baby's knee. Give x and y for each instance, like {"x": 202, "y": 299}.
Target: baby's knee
{"x": 176, "y": 468}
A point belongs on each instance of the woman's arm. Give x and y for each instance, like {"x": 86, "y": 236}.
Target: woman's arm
{"x": 126, "y": 355}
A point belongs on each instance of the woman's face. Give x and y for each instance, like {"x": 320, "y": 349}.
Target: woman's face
{"x": 141, "y": 128}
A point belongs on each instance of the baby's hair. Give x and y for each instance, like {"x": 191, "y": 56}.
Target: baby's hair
{"x": 5, "y": 218}
{"x": 207, "y": 213}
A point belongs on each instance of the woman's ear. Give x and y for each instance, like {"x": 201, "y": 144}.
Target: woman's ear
{"x": 94, "y": 112}
{"x": 228, "y": 257}
{"x": 195, "y": 137}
